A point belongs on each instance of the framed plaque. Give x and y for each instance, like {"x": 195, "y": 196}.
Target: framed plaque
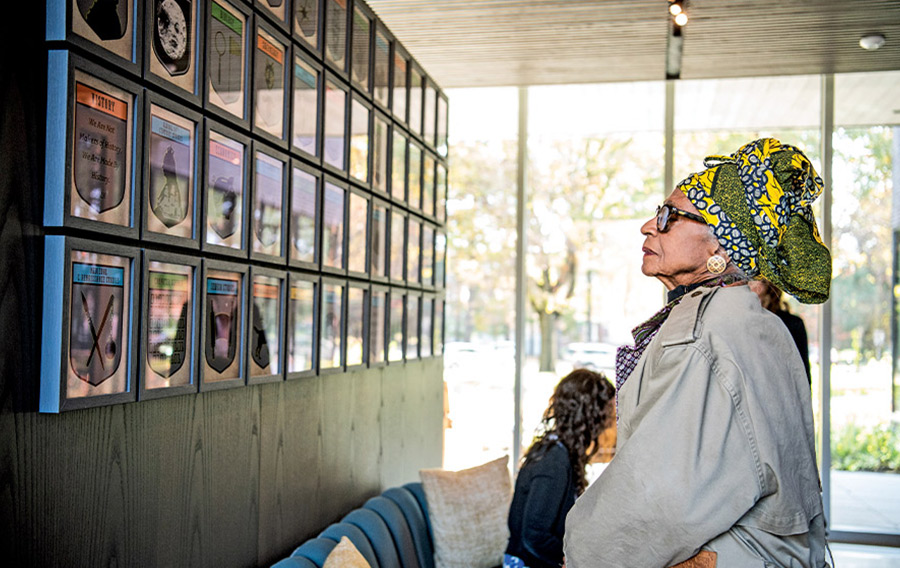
{"x": 168, "y": 354}
{"x": 92, "y": 147}
{"x": 106, "y": 29}
{"x": 378, "y": 249}
{"x": 399, "y": 145}
{"x": 398, "y": 246}
{"x": 413, "y": 250}
{"x": 360, "y": 114}
{"x": 332, "y": 325}
{"x": 378, "y": 326}
{"x": 440, "y": 193}
{"x": 414, "y": 185}
{"x": 88, "y": 354}
{"x": 265, "y": 344}
{"x": 413, "y": 299}
{"x": 427, "y": 338}
{"x": 228, "y": 34}
{"x": 306, "y": 122}
{"x": 357, "y": 233}
{"x": 427, "y": 255}
{"x": 267, "y": 219}
{"x": 400, "y": 91}
{"x": 380, "y": 140}
{"x": 222, "y": 326}
{"x": 336, "y": 17}
{"x": 172, "y": 55}
{"x": 276, "y": 10}
{"x": 360, "y": 46}
{"x": 429, "y": 114}
{"x": 415, "y": 100}
{"x": 440, "y": 254}
{"x": 428, "y": 184}
{"x": 171, "y": 170}
{"x": 334, "y": 212}
{"x": 357, "y": 320}
{"x": 306, "y": 184}
{"x": 441, "y": 136}
{"x": 302, "y": 315}
{"x": 334, "y": 151}
{"x": 396, "y": 325}
{"x": 438, "y": 327}
{"x": 225, "y": 190}
{"x": 307, "y": 23}
{"x": 381, "y": 68}
{"x": 271, "y": 65}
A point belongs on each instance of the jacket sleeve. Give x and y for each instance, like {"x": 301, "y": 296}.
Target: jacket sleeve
{"x": 687, "y": 472}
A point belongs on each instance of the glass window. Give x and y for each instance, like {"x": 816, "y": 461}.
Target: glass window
{"x": 415, "y": 102}
{"x": 381, "y": 74}
{"x": 377, "y": 330}
{"x": 395, "y": 323}
{"x": 379, "y": 250}
{"x": 398, "y": 245}
{"x": 380, "y": 155}
{"x": 304, "y": 196}
{"x": 357, "y": 229}
{"x": 356, "y": 318}
{"x": 335, "y": 133}
{"x": 413, "y": 274}
{"x": 414, "y": 189}
{"x": 331, "y": 325}
{"x": 412, "y": 326}
{"x": 362, "y": 27}
{"x": 398, "y": 99}
{"x": 359, "y": 141}
{"x": 398, "y": 165}
{"x": 333, "y": 226}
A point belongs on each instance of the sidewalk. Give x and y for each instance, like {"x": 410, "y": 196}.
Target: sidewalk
{"x": 865, "y": 501}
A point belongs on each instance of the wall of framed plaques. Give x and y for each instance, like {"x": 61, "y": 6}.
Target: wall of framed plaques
{"x": 236, "y": 192}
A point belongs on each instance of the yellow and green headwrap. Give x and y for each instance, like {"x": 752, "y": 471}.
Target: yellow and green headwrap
{"x": 758, "y": 203}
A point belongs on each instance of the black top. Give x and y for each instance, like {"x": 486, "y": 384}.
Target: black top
{"x": 794, "y": 323}
{"x": 545, "y": 491}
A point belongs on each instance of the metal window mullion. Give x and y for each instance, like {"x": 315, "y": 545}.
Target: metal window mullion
{"x": 827, "y": 130}
{"x": 521, "y": 179}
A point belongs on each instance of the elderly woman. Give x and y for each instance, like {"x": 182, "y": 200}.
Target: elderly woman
{"x": 715, "y": 462}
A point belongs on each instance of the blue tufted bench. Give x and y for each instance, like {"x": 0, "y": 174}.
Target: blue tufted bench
{"x": 391, "y": 530}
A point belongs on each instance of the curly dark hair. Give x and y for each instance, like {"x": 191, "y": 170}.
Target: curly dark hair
{"x": 582, "y": 406}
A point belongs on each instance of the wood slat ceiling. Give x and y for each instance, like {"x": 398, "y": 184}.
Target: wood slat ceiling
{"x": 481, "y": 43}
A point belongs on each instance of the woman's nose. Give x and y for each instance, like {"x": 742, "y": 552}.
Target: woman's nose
{"x": 649, "y": 227}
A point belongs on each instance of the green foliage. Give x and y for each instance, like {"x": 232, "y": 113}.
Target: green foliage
{"x": 855, "y": 448}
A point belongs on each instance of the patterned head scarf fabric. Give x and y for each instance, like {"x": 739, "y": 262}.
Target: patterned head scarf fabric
{"x": 758, "y": 203}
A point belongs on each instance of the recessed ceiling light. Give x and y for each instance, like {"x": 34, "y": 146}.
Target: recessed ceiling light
{"x": 871, "y": 42}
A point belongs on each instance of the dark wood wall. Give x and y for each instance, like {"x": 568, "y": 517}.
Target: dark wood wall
{"x": 228, "y": 478}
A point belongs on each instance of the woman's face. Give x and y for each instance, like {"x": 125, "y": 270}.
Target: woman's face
{"x": 678, "y": 256}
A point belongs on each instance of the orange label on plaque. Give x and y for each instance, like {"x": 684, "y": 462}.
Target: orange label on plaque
{"x": 223, "y": 152}
{"x": 270, "y": 49}
{"x": 100, "y": 101}
{"x": 265, "y": 291}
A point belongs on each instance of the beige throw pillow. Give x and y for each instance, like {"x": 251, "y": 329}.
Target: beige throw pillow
{"x": 345, "y": 555}
{"x": 468, "y": 511}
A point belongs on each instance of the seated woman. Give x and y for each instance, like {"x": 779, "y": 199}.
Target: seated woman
{"x": 553, "y": 471}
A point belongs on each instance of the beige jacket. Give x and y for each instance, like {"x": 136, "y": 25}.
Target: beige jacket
{"x": 715, "y": 448}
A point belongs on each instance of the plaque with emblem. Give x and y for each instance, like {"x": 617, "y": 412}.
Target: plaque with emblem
{"x": 265, "y": 326}
{"x": 172, "y": 55}
{"x": 171, "y": 152}
{"x": 168, "y": 309}
{"x": 438, "y": 327}
{"x": 378, "y": 249}
{"x": 400, "y": 91}
{"x": 336, "y": 34}
{"x": 377, "y": 325}
{"x": 333, "y": 236}
{"x": 396, "y": 327}
{"x": 334, "y": 151}
{"x": 331, "y": 325}
{"x": 413, "y": 300}
{"x": 267, "y": 225}
{"x": 270, "y": 66}
{"x": 109, "y": 29}
{"x": 358, "y": 232}
{"x": 227, "y": 62}
{"x": 381, "y": 67}
{"x": 88, "y": 352}
{"x": 222, "y": 349}
{"x": 357, "y": 320}
{"x": 361, "y": 36}
{"x": 301, "y": 327}
{"x": 276, "y": 10}
{"x": 305, "y": 130}
{"x": 398, "y": 245}
{"x": 306, "y": 22}
{"x": 225, "y": 180}
{"x": 427, "y": 337}
{"x": 304, "y": 218}
{"x": 358, "y": 158}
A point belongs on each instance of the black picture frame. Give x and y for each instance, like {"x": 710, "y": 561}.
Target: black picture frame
{"x": 359, "y": 143}
{"x": 228, "y": 23}
{"x": 223, "y": 325}
{"x": 333, "y": 234}
{"x": 94, "y": 123}
{"x": 396, "y": 326}
{"x": 397, "y": 246}
{"x": 169, "y": 279}
{"x": 361, "y": 35}
{"x": 224, "y": 217}
{"x": 306, "y": 24}
{"x": 357, "y": 336}
{"x": 414, "y": 251}
{"x": 88, "y": 347}
{"x": 268, "y": 204}
{"x": 266, "y": 300}
{"x": 279, "y": 15}
{"x": 382, "y": 66}
{"x": 398, "y": 164}
{"x": 413, "y": 309}
{"x": 271, "y": 84}
{"x": 305, "y": 218}
{"x": 336, "y": 37}
{"x": 102, "y": 36}
{"x": 302, "y": 343}
{"x": 378, "y": 329}
{"x": 381, "y": 146}
{"x": 335, "y": 111}
{"x": 173, "y": 64}
{"x": 379, "y": 240}
{"x": 170, "y": 204}
{"x": 359, "y": 211}
{"x": 307, "y": 99}
{"x": 332, "y": 325}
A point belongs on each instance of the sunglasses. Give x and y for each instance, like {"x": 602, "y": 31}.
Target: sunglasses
{"x": 665, "y": 213}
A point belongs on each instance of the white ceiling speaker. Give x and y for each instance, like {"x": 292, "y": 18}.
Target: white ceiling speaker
{"x": 871, "y": 42}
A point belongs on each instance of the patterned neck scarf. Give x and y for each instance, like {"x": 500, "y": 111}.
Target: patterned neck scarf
{"x": 627, "y": 356}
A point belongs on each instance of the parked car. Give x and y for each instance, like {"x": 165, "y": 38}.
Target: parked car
{"x": 600, "y": 357}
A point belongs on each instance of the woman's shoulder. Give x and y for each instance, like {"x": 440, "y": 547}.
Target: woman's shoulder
{"x": 552, "y": 456}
